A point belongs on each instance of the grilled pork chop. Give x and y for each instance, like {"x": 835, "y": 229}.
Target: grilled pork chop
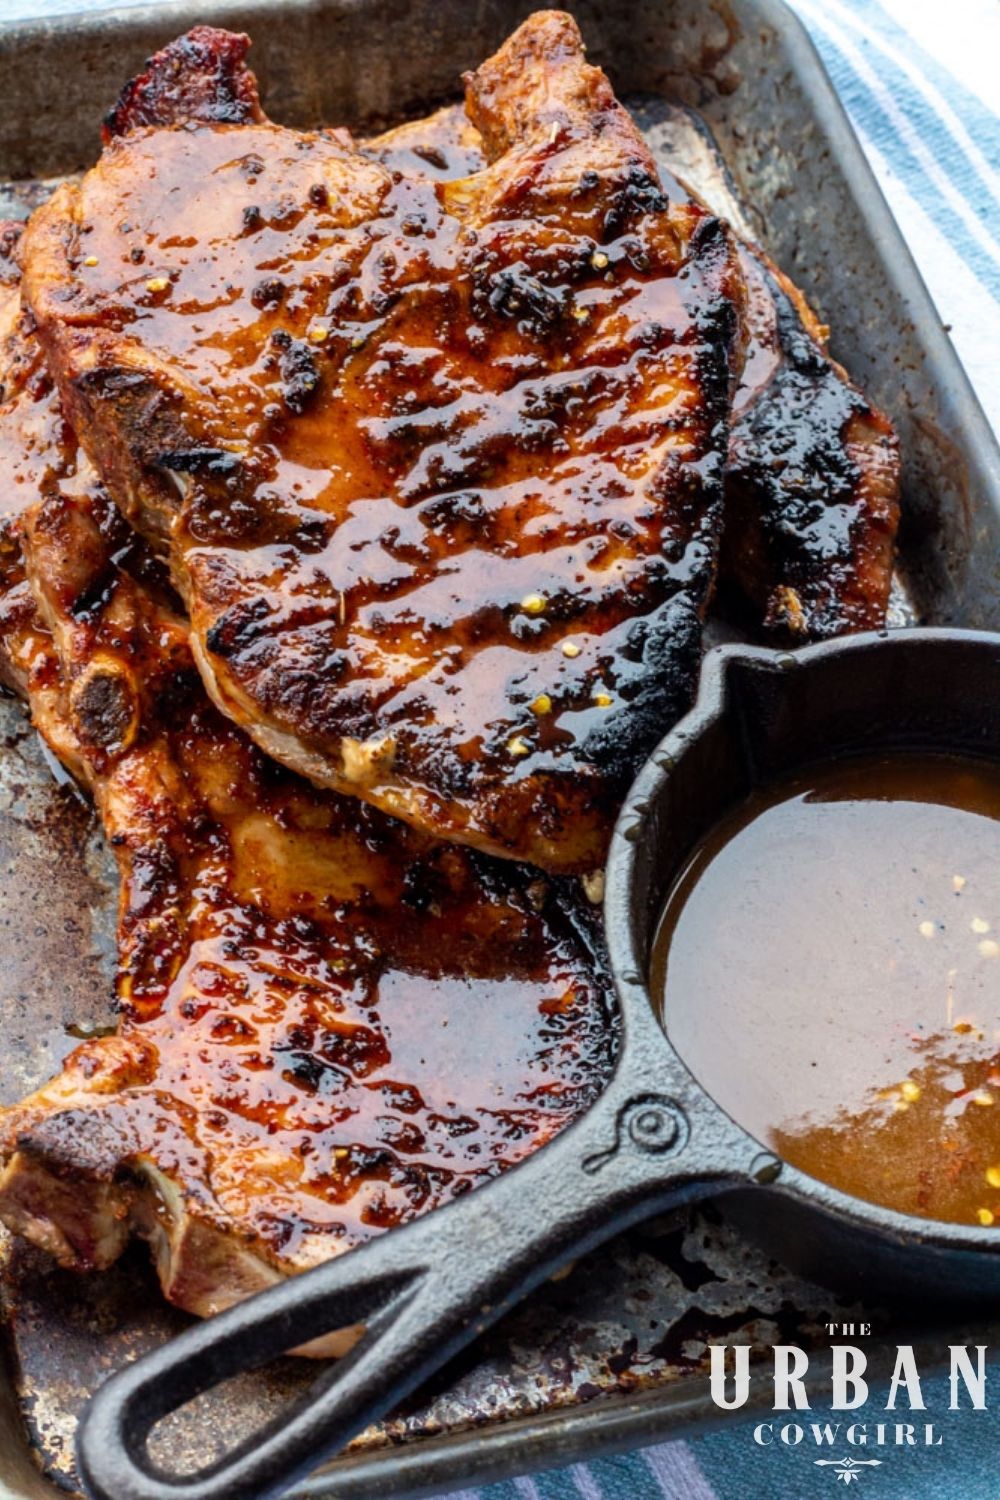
{"x": 327, "y": 1024}
{"x": 812, "y": 472}
{"x": 438, "y": 466}
{"x": 812, "y": 478}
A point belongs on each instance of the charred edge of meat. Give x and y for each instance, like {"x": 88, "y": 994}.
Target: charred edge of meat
{"x": 717, "y": 317}
{"x": 670, "y": 647}
{"x": 201, "y": 76}
{"x": 668, "y": 643}
{"x": 146, "y": 425}
{"x": 238, "y": 628}
{"x": 789, "y": 469}
{"x": 73, "y": 1144}
{"x": 146, "y": 413}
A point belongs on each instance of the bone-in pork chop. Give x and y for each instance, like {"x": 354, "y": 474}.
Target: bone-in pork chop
{"x": 438, "y": 466}
{"x": 327, "y": 1025}
{"x": 812, "y": 471}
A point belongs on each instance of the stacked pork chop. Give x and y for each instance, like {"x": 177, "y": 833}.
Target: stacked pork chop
{"x": 362, "y": 506}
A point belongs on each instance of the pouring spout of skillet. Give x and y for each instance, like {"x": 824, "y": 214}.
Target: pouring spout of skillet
{"x": 654, "y": 1137}
{"x": 912, "y": 719}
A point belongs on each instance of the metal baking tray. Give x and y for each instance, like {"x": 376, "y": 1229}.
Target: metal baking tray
{"x": 614, "y": 1353}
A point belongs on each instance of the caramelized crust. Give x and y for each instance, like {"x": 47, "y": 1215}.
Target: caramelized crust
{"x": 438, "y": 466}
{"x": 812, "y": 480}
{"x": 812, "y": 475}
{"x": 201, "y": 76}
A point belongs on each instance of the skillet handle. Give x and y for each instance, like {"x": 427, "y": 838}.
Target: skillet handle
{"x": 423, "y": 1292}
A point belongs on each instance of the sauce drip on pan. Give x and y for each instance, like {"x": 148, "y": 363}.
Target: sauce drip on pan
{"x": 829, "y": 968}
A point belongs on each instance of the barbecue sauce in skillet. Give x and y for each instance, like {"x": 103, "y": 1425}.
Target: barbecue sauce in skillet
{"x": 828, "y": 966}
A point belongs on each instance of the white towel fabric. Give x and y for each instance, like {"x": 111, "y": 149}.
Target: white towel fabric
{"x": 919, "y": 81}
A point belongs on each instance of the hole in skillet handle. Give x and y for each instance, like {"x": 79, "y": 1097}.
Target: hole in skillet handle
{"x": 112, "y": 1441}
{"x": 424, "y": 1291}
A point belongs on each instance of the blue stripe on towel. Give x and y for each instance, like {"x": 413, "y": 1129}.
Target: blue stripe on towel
{"x": 921, "y": 104}
{"x": 876, "y": 112}
{"x": 978, "y": 119}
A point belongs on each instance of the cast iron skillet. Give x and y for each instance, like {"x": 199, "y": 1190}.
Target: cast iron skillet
{"x": 653, "y": 1139}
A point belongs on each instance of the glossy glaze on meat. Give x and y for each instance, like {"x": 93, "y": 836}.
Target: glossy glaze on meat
{"x": 327, "y": 1024}
{"x": 438, "y": 466}
{"x": 812, "y": 479}
{"x": 812, "y": 473}
{"x": 37, "y": 453}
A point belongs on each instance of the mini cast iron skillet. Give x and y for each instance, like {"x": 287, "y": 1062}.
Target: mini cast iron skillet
{"x": 653, "y": 1139}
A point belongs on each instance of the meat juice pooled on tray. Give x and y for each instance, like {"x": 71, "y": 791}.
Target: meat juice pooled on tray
{"x": 829, "y": 968}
